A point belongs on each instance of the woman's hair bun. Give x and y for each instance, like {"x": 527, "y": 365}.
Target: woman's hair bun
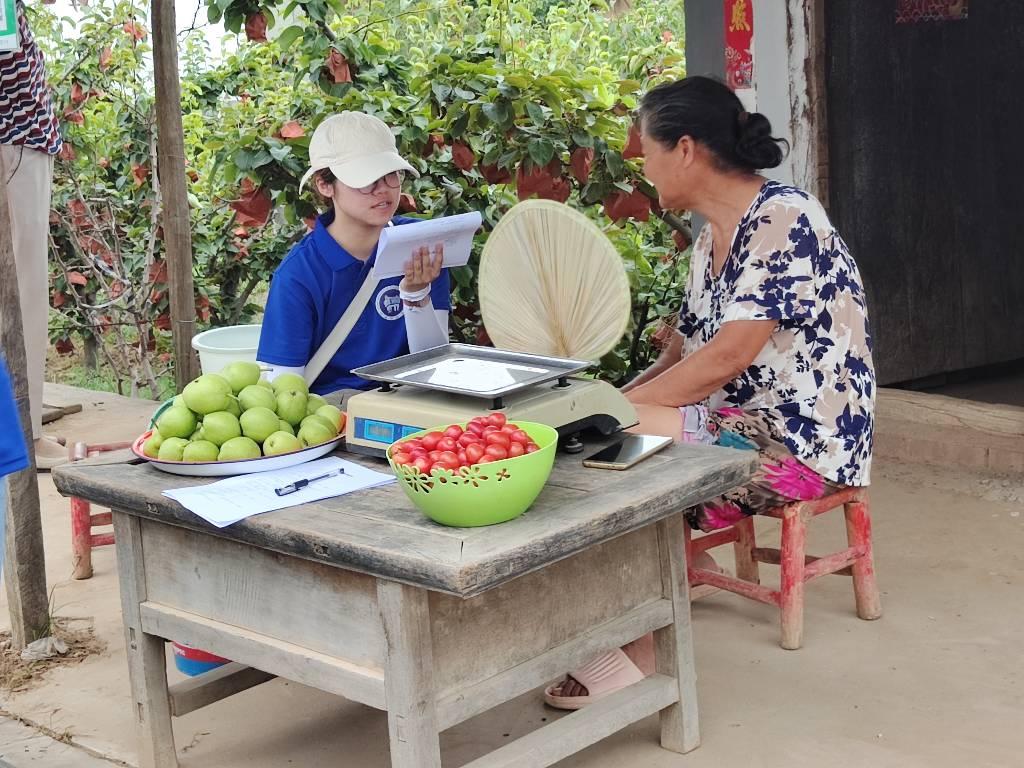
{"x": 756, "y": 146}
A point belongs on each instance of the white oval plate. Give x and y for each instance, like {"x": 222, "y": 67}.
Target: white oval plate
{"x": 240, "y": 467}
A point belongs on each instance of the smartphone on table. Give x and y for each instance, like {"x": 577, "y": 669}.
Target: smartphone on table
{"x": 627, "y": 451}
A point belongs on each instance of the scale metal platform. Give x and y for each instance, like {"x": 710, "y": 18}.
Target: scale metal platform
{"x": 455, "y": 382}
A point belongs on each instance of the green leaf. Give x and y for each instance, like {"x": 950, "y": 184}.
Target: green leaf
{"x": 616, "y": 165}
{"x": 289, "y": 36}
{"x": 582, "y": 139}
{"x": 541, "y": 151}
{"x": 536, "y": 113}
{"x": 441, "y": 92}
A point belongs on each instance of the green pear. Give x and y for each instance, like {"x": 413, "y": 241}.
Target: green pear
{"x": 315, "y": 402}
{"x": 316, "y": 418}
{"x": 233, "y": 407}
{"x": 333, "y": 414}
{"x": 207, "y": 394}
{"x": 315, "y": 431}
{"x": 197, "y": 435}
{"x": 176, "y": 421}
{"x": 151, "y": 447}
{"x": 266, "y": 384}
{"x": 281, "y": 442}
{"x": 284, "y": 426}
{"x": 291, "y": 405}
{"x": 290, "y": 381}
{"x": 259, "y": 423}
{"x": 220, "y": 427}
{"x": 239, "y": 448}
{"x": 200, "y": 450}
{"x": 241, "y": 374}
{"x": 255, "y": 396}
{"x": 172, "y": 449}
{"x": 179, "y": 400}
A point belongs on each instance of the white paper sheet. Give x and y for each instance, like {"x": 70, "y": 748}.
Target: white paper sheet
{"x": 472, "y": 375}
{"x": 397, "y": 244}
{"x": 236, "y": 498}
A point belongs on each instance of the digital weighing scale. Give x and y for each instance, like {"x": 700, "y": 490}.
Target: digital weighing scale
{"x": 455, "y": 382}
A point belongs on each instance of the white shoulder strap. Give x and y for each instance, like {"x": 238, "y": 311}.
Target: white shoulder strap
{"x": 341, "y": 331}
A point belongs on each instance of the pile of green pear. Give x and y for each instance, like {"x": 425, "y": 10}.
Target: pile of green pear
{"x": 235, "y": 414}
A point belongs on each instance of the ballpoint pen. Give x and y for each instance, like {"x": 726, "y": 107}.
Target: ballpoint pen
{"x": 284, "y": 490}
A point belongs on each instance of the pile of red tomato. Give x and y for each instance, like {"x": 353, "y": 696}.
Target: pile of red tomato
{"x": 485, "y": 439}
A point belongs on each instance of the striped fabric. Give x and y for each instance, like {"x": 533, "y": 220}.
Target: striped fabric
{"x": 26, "y": 111}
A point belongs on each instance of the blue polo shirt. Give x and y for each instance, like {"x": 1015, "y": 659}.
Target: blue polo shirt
{"x": 311, "y": 290}
{"x": 13, "y": 456}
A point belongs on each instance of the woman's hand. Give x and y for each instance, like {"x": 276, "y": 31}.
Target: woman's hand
{"x": 423, "y": 269}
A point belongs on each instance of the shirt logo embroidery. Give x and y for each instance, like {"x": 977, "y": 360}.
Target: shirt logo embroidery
{"x": 389, "y": 303}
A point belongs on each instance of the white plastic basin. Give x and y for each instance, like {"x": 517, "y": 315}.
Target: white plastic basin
{"x": 218, "y": 347}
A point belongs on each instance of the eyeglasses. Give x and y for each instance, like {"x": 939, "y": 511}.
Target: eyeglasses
{"x": 392, "y": 180}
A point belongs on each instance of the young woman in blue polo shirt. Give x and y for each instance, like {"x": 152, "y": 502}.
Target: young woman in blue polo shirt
{"x": 355, "y": 165}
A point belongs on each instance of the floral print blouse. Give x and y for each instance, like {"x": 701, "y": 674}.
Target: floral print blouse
{"x": 814, "y": 380}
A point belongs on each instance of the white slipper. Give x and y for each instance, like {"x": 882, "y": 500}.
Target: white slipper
{"x": 602, "y": 675}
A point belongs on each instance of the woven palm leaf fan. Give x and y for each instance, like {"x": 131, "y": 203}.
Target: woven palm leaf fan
{"x": 552, "y": 284}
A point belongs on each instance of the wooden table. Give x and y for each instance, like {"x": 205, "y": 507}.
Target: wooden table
{"x": 363, "y": 597}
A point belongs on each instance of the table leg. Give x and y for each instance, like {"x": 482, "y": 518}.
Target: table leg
{"x": 409, "y": 676}
{"x": 673, "y": 645}
{"x": 147, "y": 665}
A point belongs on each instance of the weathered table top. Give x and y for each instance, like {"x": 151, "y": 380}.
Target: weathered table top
{"x": 380, "y": 532}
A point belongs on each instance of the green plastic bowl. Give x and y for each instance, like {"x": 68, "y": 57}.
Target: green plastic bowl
{"x": 482, "y": 494}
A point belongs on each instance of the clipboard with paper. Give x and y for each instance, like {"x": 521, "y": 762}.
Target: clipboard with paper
{"x": 397, "y": 244}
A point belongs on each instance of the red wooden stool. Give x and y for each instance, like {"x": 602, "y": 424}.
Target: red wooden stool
{"x": 797, "y": 568}
{"x": 83, "y": 540}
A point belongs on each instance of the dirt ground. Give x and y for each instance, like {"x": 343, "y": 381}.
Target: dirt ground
{"x": 936, "y": 682}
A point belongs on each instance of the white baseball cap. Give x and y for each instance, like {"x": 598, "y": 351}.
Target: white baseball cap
{"x": 358, "y": 148}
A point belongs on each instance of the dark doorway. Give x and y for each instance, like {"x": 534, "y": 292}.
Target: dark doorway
{"x": 926, "y": 152}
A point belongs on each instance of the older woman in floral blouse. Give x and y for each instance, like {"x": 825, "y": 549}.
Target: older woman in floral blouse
{"x": 773, "y": 352}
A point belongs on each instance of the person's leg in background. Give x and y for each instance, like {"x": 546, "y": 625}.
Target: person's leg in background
{"x": 29, "y": 175}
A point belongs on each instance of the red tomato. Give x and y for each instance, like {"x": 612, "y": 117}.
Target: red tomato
{"x": 496, "y": 419}
{"x": 476, "y": 427}
{"x": 516, "y": 449}
{"x": 410, "y": 445}
{"x": 463, "y": 459}
{"x": 498, "y": 438}
{"x": 431, "y": 439}
{"x": 508, "y": 429}
{"x": 434, "y": 455}
{"x": 496, "y": 452}
{"x": 454, "y": 431}
{"x": 401, "y": 458}
{"x": 519, "y": 436}
{"x": 485, "y": 459}
{"x": 449, "y": 457}
{"x": 417, "y": 452}
{"x": 451, "y": 466}
{"x": 446, "y": 444}
{"x": 423, "y": 464}
{"x": 468, "y": 438}
{"x": 532, "y": 447}
{"x": 474, "y": 452}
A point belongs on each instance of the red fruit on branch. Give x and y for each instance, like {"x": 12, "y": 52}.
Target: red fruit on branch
{"x": 163, "y": 322}
{"x": 72, "y": 115}
{"x": 682, "y": 241}
{"x": 78, "y": 94}
{"x": 463, "y": 156}
{"x": 633, "y": 146}
{"x": 292, "y": 130}
{"x": 256, "y": 27}
{"x": 105, "y": 55}
{"x": 339, "y": 67}
{"x": 580, "y": 161}
{"x": 406, "y": 203}
{"x": 253, "y": 207}
{"x": 157, "y": 272}
{"x": 433, "y": 140}
{"x": 57, "y": 300}
{"x": 64, "y": 346}
{"x": 495, "y": 175}
{"x": 137, "y": 31}
{"x": 621, "y": 205}
{"x": 544, "y": 181}
{"x": 139, "y": 173}
{"x": 77, "y": 278}
{"x": 67, "y": 152}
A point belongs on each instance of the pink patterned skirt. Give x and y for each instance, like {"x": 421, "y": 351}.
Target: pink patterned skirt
{"x": 780, "y": 478}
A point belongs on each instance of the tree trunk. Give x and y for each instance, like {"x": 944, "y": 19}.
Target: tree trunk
{"x": 171, "y": 177}
{"x": 24, "y": 563}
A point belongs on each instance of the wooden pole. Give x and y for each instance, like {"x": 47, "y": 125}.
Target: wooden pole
{"x": 24, "y": 562}
{"x": 171, "y": 160}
